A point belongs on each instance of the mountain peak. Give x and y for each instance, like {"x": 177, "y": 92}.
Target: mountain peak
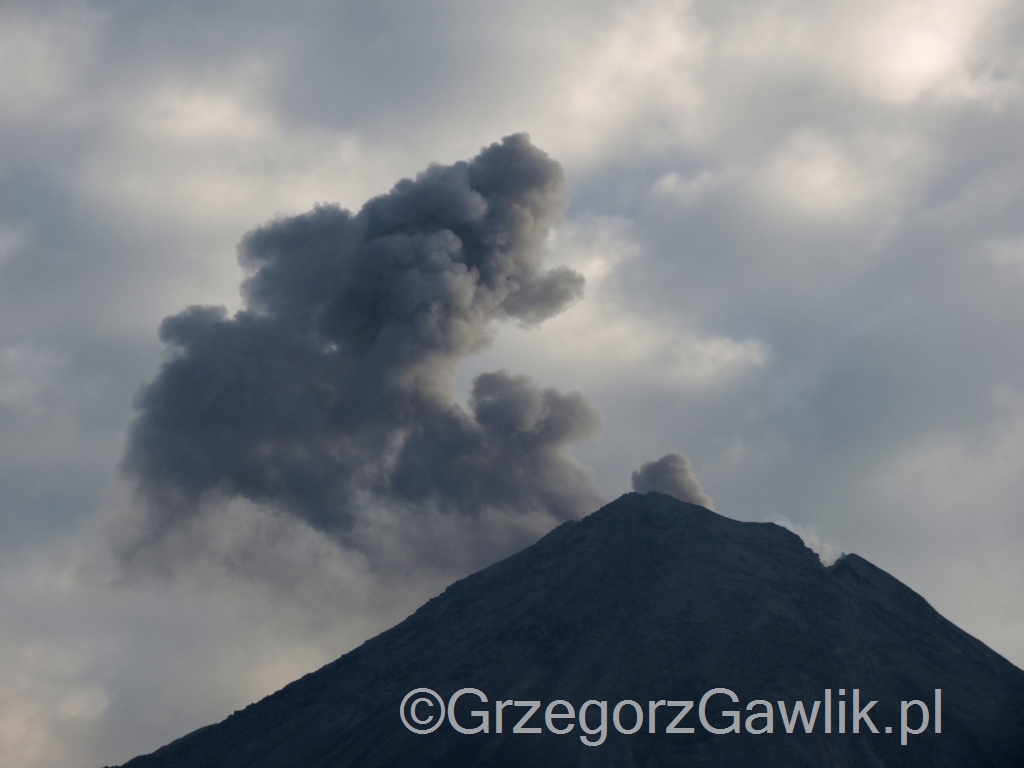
{"x": 648, "y": 599}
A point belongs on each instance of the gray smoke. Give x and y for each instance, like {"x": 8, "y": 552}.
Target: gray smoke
{"x": 333, "y": 389}
{"x": 672, "y": 475}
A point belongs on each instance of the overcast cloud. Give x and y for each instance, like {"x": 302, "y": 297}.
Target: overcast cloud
{"x": 800, "y": 231}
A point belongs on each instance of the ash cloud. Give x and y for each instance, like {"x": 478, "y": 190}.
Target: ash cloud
{"x": 672, "y": 475}
{"x": 332, "y": 391}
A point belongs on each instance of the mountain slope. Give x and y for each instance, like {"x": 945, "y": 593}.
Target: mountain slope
{"x": 647, "y": 599}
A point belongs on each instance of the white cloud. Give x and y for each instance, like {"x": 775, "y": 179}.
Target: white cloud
{"x": 961, "y": 496}
{"x": 600, "y": 338}
{"x": 913, "y": 48}
{"x": 26, "y": 373}
{"x": 11, "y": 239}
{"x": 831, "y": 177}
{"x": 639, "y": 73}
{"x": 40, "y": 57}
{"x": 1006, "y": 254}
{"x": 218, "y": 158}
{"x": 946, "y": 479}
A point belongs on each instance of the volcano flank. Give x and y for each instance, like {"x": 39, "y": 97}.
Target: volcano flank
{"x": 649, "y": 599}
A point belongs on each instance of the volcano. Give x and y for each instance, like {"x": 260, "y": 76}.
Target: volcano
{"x": 651, "y": 633}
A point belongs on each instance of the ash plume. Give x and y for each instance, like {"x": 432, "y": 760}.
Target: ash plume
{"x": 672, "y": 475}
{"x": 332, "y": 390}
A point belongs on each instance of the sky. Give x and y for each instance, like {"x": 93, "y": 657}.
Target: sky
{"x": 784, "y": 240}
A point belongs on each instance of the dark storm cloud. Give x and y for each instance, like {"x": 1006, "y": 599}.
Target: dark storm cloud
{"x": 334, "y": 384}
{"x": 673, "y": 475}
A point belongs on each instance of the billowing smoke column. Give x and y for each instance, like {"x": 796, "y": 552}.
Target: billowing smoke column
{"x": 672, "y": 475}
{"x": 335, "y": 384}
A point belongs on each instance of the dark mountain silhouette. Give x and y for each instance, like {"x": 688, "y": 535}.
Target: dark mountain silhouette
{"x": 647, "y": 599}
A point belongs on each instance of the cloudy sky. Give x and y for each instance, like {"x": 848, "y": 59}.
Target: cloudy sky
{"x": 786, "y": 240}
